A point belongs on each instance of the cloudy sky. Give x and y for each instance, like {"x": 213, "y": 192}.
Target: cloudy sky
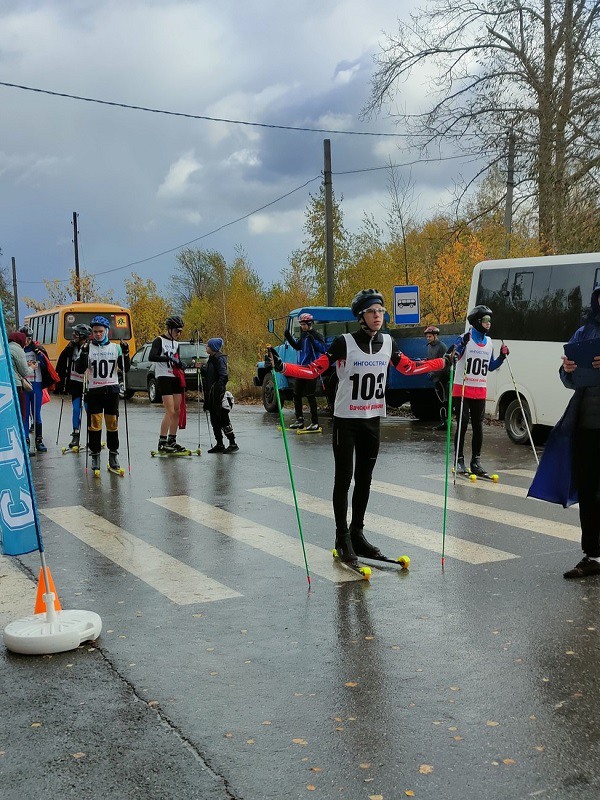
{"x": 143, "y": 183}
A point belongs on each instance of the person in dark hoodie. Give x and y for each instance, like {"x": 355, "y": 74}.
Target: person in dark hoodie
{"x": 214, "y": 386}
{"x": 569, "y": 470}
{"x": 361, "y": 360}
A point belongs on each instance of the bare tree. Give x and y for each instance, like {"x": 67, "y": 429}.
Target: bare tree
{"x": 194, "y": 275}
{"x": 504, "y": 66}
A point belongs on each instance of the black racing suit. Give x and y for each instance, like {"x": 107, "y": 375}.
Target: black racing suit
{"x": 214, "y": 383}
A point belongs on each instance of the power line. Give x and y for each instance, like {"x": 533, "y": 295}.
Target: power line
{"x": 191, "y": 241}
{"x": 200, "y": 116}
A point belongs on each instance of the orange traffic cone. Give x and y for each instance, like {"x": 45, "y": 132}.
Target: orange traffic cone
{"x": 40, "y": 605}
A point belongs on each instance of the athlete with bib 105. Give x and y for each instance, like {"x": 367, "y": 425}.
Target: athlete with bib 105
{"x": 361, "y": 360}
{"x": 474, "y": 355}
{"x": 102, "y": 360}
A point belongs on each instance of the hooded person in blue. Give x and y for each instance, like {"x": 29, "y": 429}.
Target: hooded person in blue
{"x": 569, "y": 471}
{"x": 310, "y": 346}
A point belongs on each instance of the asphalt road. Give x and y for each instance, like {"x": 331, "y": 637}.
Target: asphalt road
{"x": 218, "y": 675}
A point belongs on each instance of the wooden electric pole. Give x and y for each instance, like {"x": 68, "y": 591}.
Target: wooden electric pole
{"x": 77, "y": 281}
{"x": 329, "y": 264}
{"x": 510, "y": 184}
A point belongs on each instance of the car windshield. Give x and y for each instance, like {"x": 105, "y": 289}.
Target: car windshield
{"x": 188, "y": 351}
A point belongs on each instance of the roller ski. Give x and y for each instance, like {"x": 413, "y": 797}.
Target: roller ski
{"x": 461, "y": 471}
{"x": 171, "y": 449}
{"x": 344, "y": 553}
{"x": 73, "y": 446}
{"x": 113, "y": 464}
{"x": 364, "y": 549}
{"x": 314, "y": 428}
{"x": 478, "y": 471}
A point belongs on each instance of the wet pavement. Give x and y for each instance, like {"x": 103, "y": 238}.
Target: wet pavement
{"x": 218, "y": 675}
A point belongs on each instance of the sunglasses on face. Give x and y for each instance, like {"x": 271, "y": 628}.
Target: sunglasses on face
{"x": 379, "y": 311}
{"x": 486, "y": 319}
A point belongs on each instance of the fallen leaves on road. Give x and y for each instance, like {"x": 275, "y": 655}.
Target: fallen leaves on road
{"x": 491, "y": 724}
{"x": 301, "y": 742}
{"x": 78, "y": 755}
{"x": 425, "y": 769}
{"x": 351, "y": 683}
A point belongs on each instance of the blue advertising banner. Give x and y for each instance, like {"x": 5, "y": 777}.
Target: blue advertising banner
{"x": 19, "y": 523}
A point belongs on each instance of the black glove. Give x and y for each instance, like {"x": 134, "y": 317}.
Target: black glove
{"x": 124, "y": 348}
{"x": 451, "y": 357}
{"x": 465, "y": 339}
{"x": 276, "y": 361}
{"x": 173, "y": 364}
{"x": 182, "y": 365}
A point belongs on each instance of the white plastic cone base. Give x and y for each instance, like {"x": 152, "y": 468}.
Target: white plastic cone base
{"x": 39, "y": 635}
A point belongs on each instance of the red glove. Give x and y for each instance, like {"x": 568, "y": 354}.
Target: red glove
{"x": 504, "y": 350}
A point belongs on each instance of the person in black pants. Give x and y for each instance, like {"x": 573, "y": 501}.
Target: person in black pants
{"x": 437, "y": 349}
{"x": 214, "y": 385}
{"x": 361, "y": 360}
{"x": 310, "y": 345}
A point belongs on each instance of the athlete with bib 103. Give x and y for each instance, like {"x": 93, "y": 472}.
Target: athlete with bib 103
{"x": 103, "y": 360}
{"x": 474, "y": 355}
{"x": 361, "y": 360}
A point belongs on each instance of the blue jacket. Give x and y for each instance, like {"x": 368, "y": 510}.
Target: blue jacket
{"x": 554, "y": 479}
{"x": 310, "y": 345}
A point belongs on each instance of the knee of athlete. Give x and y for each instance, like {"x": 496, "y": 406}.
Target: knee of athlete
{"x": 95, "y": 422}
{"x": 112, "y": 422}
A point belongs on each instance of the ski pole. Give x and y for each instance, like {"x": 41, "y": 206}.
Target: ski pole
{"x": 197, "y": 339}
{"x": 126, "y": 422}
{"x": 448, "y": 434}
{"x": 522, "y": 409}
{"x": 87, "y": 421}
{"x": 460, "y": 416}
{"x": 289, "y": 464}
{"x": 62, "y": 402}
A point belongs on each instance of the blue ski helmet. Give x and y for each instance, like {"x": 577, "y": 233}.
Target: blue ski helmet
{"x": 100, "y": 320}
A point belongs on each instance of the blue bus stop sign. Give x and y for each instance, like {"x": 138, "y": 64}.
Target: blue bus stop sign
{"x": 407, "y": 305}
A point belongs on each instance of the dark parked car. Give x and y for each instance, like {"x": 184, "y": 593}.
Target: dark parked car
{"x": 140, "y": 377}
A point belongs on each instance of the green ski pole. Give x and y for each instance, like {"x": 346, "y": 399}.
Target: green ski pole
{"x": 289, "y": 463}
{"x": 448, "y": 433}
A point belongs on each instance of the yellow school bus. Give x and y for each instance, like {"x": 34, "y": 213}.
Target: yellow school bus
{"x": 53, "y": 326}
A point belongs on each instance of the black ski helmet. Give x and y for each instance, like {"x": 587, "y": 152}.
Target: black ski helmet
{"x": 174, "y": 323}
{"x": 475, "y": 316}
{"x": 364, "y": 299}
{"x": 82, "y": 330}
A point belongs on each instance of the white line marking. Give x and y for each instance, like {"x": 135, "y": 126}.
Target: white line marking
{"x": 522, "y": 473}
{"x": 287, "y": 548}
{"x": 461, "y": 549}
{"x": 482, "y": 485}
{"x": 17, "y": 592}
{"x": 174, "y": 579}
{"x": 560, "y": 530}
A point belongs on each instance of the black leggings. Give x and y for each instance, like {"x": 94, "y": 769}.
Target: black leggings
{"x": 103, "y": 402}
{"x": 586, "y": 466}
{"x": 475, "y": 409}
{"x": 355, "y": 449}
{"x": 306, "y": 388}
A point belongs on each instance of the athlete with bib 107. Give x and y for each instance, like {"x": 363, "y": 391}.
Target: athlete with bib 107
{"x": 102, "y": 360}
{"x": 361, "y": 360}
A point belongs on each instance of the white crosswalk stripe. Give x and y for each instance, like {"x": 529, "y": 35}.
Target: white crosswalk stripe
{"x": 462, "y": 549}
{"x": 174, "y": 579}
{"x": 519, "y": 472}
{"x": 287, "y": 548}
{"x": 560, "y": 530}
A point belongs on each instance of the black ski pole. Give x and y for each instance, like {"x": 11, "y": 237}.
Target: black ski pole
{"x": 126, "y": 421}
{"x": 62, "y": 402}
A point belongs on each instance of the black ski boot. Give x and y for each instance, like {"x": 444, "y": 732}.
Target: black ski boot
{"x": 361, "y": 546}
{"x": 113, "y": 460}
{"x": 298, "y": 424}
{"x": 460, "y": 466}
{"x": 476, "y": 467}
{"x": 39, "y": 441}
{"x": 345, "y": 551}
{"x": 95, "y": 459}
{"x": 74, "y": 443}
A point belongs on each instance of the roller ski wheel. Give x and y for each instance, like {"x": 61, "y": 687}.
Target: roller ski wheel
{"x": 478, "y": 470}
{"x": 96, "y": 473}
{"x": 361, "y": 569}
{"x": 403, "y": 561}
{"x": 76, "y": 449}
{"x": 115, "y": 471}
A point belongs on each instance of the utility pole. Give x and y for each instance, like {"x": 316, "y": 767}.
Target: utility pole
{"x": 77, "y": 281}
{"x": 510, "y": 183}
{"x": 15, "y": 293}
{"x": 329, "y": 266}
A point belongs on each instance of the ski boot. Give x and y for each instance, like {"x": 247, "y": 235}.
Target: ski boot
{"x": 344, "y": 552}
{"x": 299, "y": 423}
{"x": 476, "y": 468}
{"x": 73, "y": 444}
{"x": 113, "y": 463}
{"x": 40, "y": 446}
{"x": 219, "y": 447}
{"x": 232, "y": 447}
{"x": 361, "y": 546}
{"x": 313, "y": 427}
{"x": 95, "y": 458}
{"x": 176, "y": 448}
{"x": 460, "y": 466}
